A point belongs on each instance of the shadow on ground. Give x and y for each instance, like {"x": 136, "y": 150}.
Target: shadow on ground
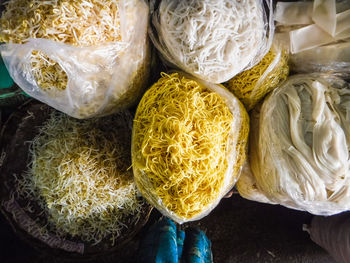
{"x": 240, "y": 231}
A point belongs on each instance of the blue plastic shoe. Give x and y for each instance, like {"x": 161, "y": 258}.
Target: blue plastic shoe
{"x": 162, "y": 243}
{"x": 197, "y": 247}
{"x": 165, "y": 244}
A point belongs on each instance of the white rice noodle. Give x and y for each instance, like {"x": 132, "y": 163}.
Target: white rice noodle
{"x": 212, "y": 39}
{"x": 299, "y": 152}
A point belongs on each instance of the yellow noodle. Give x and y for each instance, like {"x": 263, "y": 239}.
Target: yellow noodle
{"x": 180, "y": 142}
{"x": 248, "y": 85}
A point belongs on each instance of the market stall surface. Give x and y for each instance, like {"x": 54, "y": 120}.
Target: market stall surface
{"x": 240, "y": 231}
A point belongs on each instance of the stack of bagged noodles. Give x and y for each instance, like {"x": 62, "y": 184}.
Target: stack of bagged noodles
{"x": 188, "y": 145}
{"x": 86, "y": 58}
{"x": 252, "y": 85}
{"x": 90, "y": 58}
{"x": 212, "y": 40}
{"x": 299, "y": 147}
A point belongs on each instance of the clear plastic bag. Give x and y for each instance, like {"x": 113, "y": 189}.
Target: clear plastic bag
{"x": 183, "y": 164}
{"x": 299, "y": 146}
{"x": 252, "y": 85}
{"x": 293, "y": 13}
{"x": 322, "y": 45}
{"x": 212, "y": 40}
{"x": 324, "y": 15}
{"x": 333, "y": 59}
{"x": 101, "y": 79}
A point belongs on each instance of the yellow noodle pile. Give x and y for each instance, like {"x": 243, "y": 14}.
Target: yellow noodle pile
{"x": 181, "y": 145}
{"x": 79, "y": 175}
{"x": 78, "y": 23}
{"x": 252, "y": 85}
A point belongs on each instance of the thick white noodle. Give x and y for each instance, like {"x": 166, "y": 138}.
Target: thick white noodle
{"x": 299, "y": 151}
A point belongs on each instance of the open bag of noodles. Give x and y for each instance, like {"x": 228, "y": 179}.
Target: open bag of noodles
{"x": 299, "y": 146}
{"x": 85, "y": 58}
{"x": 188, "y": 145}
{"x": 212, "y": 39}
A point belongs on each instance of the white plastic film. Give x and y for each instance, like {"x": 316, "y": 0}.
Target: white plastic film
{"x": 154, "y": 186}
{"x": 294, "y": 13}
{"x": 343, "y": 25}
{"x": 308, "y": 37}
{"x": 333, "y": 58}
{"x": 324, "y": 15}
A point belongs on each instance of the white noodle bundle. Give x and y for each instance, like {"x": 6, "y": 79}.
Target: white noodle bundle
{"x": 213, "y": 40}
{"x": 299, "y": 152}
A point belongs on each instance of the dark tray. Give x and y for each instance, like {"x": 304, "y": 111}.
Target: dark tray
{"x": 21, "y": 127}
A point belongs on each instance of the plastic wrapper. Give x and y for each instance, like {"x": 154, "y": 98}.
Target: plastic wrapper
{"x": 100, "y": 79}
{"x": 212, "y": 40}
{"x": 333, "y": 234}
{"x": 324, "y": 15}
{"x": 188, "y": 145}
{"x": 322, "y": 44}
{"x": 299, "y": 151}
{"x": 252, "y": 85}
{"x": 308, "y": 37}
{"x": 333, "y": 59}
{"x": 293, "y": 13}
{"x": 343, "y": 25}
